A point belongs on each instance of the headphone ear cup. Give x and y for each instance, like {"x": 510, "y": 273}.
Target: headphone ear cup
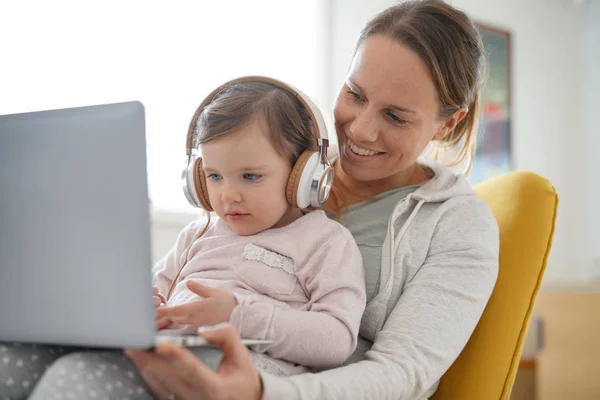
{"x": 293, "y": 182}
{"x": 200, "y": 185}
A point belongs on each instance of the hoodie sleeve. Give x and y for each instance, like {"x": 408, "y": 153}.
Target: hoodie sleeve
{"x": 429, "y": 325}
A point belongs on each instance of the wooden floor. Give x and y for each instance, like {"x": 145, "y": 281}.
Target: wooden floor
{"x": 568, "y": 366}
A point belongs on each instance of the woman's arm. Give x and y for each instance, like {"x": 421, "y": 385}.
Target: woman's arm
{"x": 428, "y": 327}
{"x": 326, "y": 334}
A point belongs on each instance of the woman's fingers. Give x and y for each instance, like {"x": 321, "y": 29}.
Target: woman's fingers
{"x": 238, "y": 378}
{"x": 190, "y": 369}
{"x": 163, "y": 377}
{"x": 165, "y": 382}
{"x": 146, "y": 362}
{"x": 157, "y": 386}
{"x": 234, "y": 352}
{"x": 172, "y": 370}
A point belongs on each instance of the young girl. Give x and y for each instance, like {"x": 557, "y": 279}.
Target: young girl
{"x": 271, "y": 269}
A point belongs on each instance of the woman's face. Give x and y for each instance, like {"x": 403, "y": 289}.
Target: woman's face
{"x": 386, "y": 113}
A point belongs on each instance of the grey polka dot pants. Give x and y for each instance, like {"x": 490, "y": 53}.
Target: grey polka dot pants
{"x": 22, "y": 366}
{"x": 39, "y": 372}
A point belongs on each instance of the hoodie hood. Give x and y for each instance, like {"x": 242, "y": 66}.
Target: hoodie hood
{"x": 445, "y": 184}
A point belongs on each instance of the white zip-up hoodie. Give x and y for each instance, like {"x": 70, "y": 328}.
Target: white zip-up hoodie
{"x": 439, "y": 265}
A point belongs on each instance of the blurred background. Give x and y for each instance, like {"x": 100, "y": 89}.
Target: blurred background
{"x": 541, "y": 106}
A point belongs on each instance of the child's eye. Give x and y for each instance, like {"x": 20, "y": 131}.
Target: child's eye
{"x": 215, "y": 177}
{"x": 251, "y": 177}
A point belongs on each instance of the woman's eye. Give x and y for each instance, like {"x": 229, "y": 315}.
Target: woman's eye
{"x": 251, "y": 177}
{"x": 215, "y": 177}
{"x": 354, "y": 95}
{"x": 396, "y": 119}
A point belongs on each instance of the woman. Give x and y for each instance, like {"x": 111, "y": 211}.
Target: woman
{"x": 429, "y": 244}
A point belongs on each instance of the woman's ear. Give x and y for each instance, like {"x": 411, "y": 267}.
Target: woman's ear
{"x": 450, "y": 123}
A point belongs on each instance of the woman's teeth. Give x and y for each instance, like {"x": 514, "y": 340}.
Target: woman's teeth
{"x": 362, "y": 152}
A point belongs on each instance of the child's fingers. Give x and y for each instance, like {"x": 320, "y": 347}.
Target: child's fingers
{"x": 203, "y": 290}
{"x": 181, "y": 311}
{"x": 162, "y": 323}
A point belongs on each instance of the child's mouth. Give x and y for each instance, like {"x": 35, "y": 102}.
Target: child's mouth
{"x": 236, "y": 216}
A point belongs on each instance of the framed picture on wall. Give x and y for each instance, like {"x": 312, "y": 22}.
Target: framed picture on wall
{"x": 493, "y": 155}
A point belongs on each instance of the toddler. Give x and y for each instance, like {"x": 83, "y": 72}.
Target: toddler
{"x": 268, "y": 262}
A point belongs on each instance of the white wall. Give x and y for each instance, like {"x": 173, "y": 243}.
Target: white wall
{"x": 166, "y": 227}
{"x": 590, "y": 146}
{"x": 553, "y": 119}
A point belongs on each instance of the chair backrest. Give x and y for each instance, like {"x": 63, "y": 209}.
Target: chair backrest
{"x": 525, "y": 206}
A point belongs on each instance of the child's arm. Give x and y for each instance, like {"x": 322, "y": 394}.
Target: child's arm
{"x": 168, "y": 267}
{"x": 326, "y": 334}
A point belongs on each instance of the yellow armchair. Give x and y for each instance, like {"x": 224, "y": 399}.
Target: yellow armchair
{"x": 525, "y": 206}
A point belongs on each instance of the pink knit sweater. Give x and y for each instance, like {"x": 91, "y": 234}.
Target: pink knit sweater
{"x": 301, "y": 286}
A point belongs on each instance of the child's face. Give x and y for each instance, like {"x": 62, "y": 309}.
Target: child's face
{"x": 246, "y": 179}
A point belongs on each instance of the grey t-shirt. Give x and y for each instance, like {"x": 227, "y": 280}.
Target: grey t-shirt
{"x": 368, "y": 221}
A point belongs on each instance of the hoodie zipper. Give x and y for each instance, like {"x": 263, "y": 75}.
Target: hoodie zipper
{"x": 393, "y": 243}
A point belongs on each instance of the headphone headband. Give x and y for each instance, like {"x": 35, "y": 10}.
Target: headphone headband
{"x": 319, "y": 128}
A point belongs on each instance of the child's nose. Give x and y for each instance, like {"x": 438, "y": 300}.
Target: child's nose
{"x": 231, "y": 195}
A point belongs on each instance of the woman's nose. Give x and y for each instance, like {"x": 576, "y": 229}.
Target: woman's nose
{"x": 364, "y": 127}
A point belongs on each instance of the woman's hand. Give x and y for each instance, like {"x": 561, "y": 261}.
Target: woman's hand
{"x": 215, "y": 307}
{"x": 174, "y": 372}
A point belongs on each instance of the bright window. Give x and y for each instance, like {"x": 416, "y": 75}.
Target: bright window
{"x": 168, "y": 55}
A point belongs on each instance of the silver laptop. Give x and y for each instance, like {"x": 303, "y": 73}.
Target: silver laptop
{"x": 75, "y": 266}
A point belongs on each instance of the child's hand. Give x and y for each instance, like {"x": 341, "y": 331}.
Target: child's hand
{"x": 162, "y": 322}
{"x": 159, "y": 301}
{"x": 215, "y": 307}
